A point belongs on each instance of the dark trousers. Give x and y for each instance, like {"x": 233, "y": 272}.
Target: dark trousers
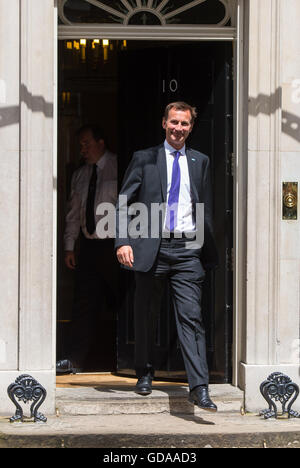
{"x": 182, "y": 268}
{"x": 95, "y": 288}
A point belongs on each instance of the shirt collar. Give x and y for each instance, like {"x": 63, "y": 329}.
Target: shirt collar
{"x": 171, "y": 150}
{"x": 101, "y": 162}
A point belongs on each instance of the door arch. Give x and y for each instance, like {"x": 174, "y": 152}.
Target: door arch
{"x": 133, "y": 19}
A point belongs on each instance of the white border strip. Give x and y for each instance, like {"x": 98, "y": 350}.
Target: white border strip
{"x": 151, "y": 33}
{"x": 239, "y": 188}
{"x": 54, "y": 195}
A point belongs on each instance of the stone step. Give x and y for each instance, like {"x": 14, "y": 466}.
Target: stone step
{"x": 149, "y": 431}
{"x": 122, "y": 400}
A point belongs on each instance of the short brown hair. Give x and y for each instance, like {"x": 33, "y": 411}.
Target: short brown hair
{"x": 183, "y": 106}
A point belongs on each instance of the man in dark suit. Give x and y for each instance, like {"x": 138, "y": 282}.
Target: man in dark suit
{"x": 166, "y": 246}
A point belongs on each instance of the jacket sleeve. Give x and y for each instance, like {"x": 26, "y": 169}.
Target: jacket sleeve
{"x": 72, "y": 223}
{"x": 209, "y": 254}
{"x": 128, "y": 193}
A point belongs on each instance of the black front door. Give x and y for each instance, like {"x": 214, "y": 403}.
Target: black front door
{"x": 149, "y": 78}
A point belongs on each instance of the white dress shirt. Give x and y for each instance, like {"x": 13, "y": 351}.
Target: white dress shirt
{"x": 185, "y": 222}
{"x": 106, "y": 191}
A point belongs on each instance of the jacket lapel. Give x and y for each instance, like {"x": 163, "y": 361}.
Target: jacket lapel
{"x": 162, "y": 169}
{"x": 193, "y": 168}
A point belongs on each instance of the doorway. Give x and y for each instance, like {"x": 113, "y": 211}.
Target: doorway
{"x": 124, "y": 86}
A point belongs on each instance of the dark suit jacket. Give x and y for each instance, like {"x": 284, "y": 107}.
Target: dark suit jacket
{"x": 145, "y": 181}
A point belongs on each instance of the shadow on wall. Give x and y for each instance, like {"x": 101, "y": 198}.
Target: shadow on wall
{"x": 11, "y": 115}
{"x": 268, "y": 105}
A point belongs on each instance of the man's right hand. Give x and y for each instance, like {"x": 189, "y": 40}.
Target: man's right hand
{"x": 125, "y": 255}
{"x": 70, "y": 259}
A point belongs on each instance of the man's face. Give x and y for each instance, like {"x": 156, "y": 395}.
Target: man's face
{"x": 178, "y": 126}
{"x": 90, "y": 149}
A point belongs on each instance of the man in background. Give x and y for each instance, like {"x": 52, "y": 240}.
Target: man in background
{"x": 95, "y": 269}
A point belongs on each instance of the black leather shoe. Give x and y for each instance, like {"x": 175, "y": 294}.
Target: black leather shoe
{"x": 65, "y": 366}
{"x": 200, "y": 397}
{"x": 144, "y": 385}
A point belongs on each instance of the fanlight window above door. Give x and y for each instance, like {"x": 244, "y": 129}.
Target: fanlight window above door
{"x": 148, "y": 12}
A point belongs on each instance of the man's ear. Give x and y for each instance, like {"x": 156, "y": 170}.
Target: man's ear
{"x": 164, "y": 123}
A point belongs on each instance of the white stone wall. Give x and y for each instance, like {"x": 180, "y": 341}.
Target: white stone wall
{"x": 288, "y": 337}
{"x": 26, "y": 194}
{"x": 273, "y": 251}
{"x": 9, "y": 184}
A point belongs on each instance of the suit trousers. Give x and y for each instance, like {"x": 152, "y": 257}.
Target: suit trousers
{"x": 182, "y": 268}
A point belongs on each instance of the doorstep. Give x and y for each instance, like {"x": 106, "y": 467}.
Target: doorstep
{"x": 105, "y": 394}
{"x": 150, "y": 431}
